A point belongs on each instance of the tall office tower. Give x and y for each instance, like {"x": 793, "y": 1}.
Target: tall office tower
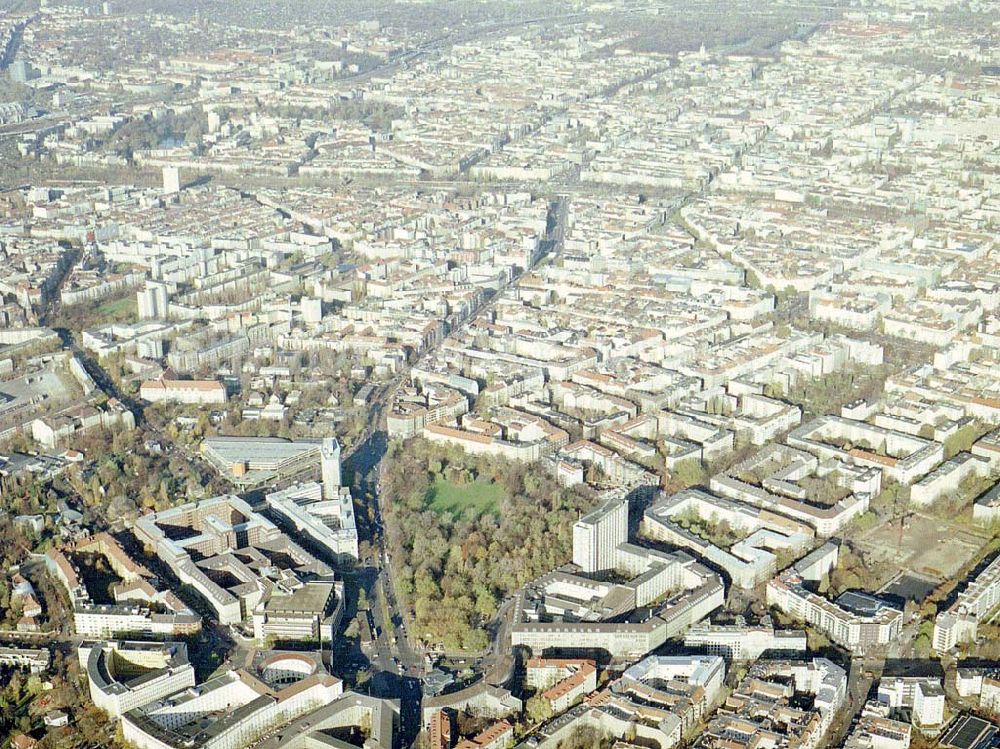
{"x": 171, "y": 180}
{"x": 330, "y": 462}
{"x": 597, "y": 534}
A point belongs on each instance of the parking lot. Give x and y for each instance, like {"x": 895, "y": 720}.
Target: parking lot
{"x": 22, "y": 395}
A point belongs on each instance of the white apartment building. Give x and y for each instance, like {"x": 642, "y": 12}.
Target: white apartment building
{"x": 36, "y": 660}
{"x": 970, "y": 682}
{"x": 750, "y": 560}
{"x": 200, "y": 392}
{"x": 899, "y": 456}
{"x": 708, "y": 672}
{"x": 657, "y": 701}
{"x": 701, "y": 592}
{"x": 223, "y": 525}
{"x": 959, "y": 623}
{"x": 876, "y": 731}
{"x": 925, "y": 696}
{"x": 563, "y": 694}
{"x": 948, "y": 477}
{"x": 857, "y": 621}
{"x": 108, "y": 620}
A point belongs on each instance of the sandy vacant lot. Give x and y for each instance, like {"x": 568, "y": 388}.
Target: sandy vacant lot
{"x": 929, "y": 546}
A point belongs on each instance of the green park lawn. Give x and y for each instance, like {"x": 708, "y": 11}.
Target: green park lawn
{"x": 477, "y": 498}
{"x": 119, "y": 309}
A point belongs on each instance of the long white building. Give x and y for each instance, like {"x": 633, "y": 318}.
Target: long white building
{"x": 243, "y": 707}
{"x": 123, "y": 676}
{"x": 199, "y": 392}
{"x": 748, "y": 562}
{"x": 742, "y": 642}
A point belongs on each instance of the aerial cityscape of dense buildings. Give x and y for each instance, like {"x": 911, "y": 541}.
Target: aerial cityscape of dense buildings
{"x": 588, "y": 373}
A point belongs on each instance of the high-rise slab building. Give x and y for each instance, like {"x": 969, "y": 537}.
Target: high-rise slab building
{"x": 171, "y": 180}
{"x": 153, "y": 301}
{"x": 597, "y": 534}
{"x": 330, "y": 462}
